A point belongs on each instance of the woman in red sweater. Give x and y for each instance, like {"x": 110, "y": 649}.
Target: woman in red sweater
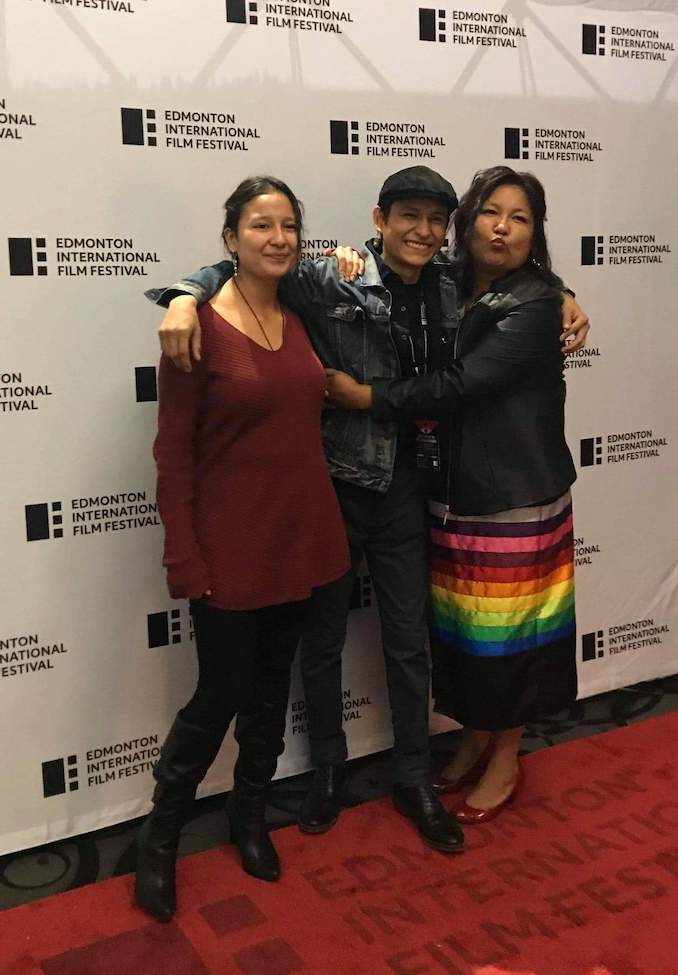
{"x": 252, "y": 525}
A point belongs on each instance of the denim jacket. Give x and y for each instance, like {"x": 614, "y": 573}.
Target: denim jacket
{"x": 350, "y": 328}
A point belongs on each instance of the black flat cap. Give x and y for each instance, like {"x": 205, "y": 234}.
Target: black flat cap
{"x": 418, "y": 181}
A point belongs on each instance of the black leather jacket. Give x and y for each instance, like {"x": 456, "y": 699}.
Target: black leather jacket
{"x": 500, "y": 404}
{"x": 350, "y": 328}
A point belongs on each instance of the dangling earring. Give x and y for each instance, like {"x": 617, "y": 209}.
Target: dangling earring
{"x": 236, "y": 263}
{"x": 535, "y": 262}
{"x": 378, "y": 242}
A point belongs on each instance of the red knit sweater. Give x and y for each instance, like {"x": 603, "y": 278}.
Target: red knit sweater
{"x": 243, "y": 492}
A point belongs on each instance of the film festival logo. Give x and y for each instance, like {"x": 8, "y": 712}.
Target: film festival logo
{"x": 139, "y": 126}
{"x": 516, "y": 143}
{"x": 591, "y": 451}
{"x": 623, "y": 638}
{"x": 584, "y": 358}
{"x": 468, "y": 28}
{"x": 432, "y": 24}
{"x": 17, "y": 394}
{"x": 586, "y": 552}
{"x": 78, "y": 257}
{"x": 44, "y": 521}
{"x": 592, "y": 250}
{"x": 27, "y": 654}
{"x": 242, "y": 12}
{"x": 168, "y": 628}
{"x": 550, "y": 145}
{"x": 344, "y": 138}
{"x": 104, "y": 6}
{"x": 60, "y": 775}
{"x": 307, "y": 15}
{"x": 621, "y": 448}
{"x": 593, "y": 39}
{"x": 101, "y": 765}
{"x": 27, "y": 256}
{"x": 14, "y": 124}
{"x": 389, "y": 138}
{"x": 628, "y": 43}
{"x": 178, "y": 128}
{"x": 623, "y": 249}
{"x": 146, "y": 384}
{"x": 592, "y": 646}
{"x": 119, "y": 511}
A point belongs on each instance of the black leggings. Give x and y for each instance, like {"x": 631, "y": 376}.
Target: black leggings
{"x": 244, "y": 660}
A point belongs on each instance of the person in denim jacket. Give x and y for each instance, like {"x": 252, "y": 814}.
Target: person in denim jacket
{"x": 398, "y": 319}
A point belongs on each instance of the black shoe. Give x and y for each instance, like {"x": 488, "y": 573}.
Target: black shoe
{"x": 436, "y": 827}
{"x": 322, "y": 803}
{"x": 247, "y": 816}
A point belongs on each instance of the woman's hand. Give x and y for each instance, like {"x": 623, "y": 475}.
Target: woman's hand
{"x": 576, "y": 325}
{"x": 179, "y": 332}
{"x": 351, "y": 264}
{"x": 343, "y": 391}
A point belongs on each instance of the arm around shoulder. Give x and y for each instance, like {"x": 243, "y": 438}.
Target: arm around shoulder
{"x": 524, "y": 340}
{"x": 200, "y": 284}
{"x": 179, "y": 330}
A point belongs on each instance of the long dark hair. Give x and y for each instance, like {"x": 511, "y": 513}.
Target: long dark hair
{"x": 248, "y": 190}
{"x": 484, "y": 183}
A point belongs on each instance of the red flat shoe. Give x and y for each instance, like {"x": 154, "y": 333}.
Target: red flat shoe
{"x": 471, "y": 816}
{"x": 441, "y": 785}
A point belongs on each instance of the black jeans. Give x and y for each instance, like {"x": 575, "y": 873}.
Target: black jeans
{"x": 390, "y": 530}
{"x": 244, "y": 662}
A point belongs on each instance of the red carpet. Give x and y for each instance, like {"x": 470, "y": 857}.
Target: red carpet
{"x": 579, "y": 878}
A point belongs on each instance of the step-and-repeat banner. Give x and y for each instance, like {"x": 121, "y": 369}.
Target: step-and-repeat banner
{"x": 124, "y": 124}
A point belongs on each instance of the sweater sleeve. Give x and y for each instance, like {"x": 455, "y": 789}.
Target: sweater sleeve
{"x": 179, "y": 396}
{"x": 526, "y": 339}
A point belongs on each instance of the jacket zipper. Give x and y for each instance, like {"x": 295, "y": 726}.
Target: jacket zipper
{"x": 455, "y": 356}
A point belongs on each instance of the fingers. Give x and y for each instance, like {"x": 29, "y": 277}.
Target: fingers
{"x": 355, "y": 266}
{"x": 576, "y": 326}
{"x": 196, "y": 344}
{"x": 180, "y": 333}
{"x": 576, "y": 340}
{"x": 182, "y": 358}
{"x": 172, "y": 345}
{"x": 343, "y": 256}
{"x": 166, "y": 337}
{"x": 331, "y": 372}
{"x": 350, "y": 262}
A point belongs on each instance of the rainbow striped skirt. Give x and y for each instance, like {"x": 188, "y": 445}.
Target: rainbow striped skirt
{"x": 502, "y": 614}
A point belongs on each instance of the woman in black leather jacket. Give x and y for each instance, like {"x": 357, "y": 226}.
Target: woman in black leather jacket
{"x": 503, "y": 624}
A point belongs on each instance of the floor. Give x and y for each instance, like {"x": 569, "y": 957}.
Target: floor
{"x": 61, "y": 866}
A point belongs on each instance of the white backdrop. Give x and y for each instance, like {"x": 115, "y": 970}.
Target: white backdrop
{"x": 99, "y": 204}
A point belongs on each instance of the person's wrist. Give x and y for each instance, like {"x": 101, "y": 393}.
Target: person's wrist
{"x": 185, "y": 300}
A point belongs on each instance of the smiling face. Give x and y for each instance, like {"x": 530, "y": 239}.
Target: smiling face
{"x": 412, "y": 233}
{"x": 267, "y": 240}
{"x": 503, "y": 232}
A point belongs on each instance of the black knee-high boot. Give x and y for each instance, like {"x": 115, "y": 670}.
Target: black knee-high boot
{"x": 260, "y": 738}
{"x": 186, "y": 756}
